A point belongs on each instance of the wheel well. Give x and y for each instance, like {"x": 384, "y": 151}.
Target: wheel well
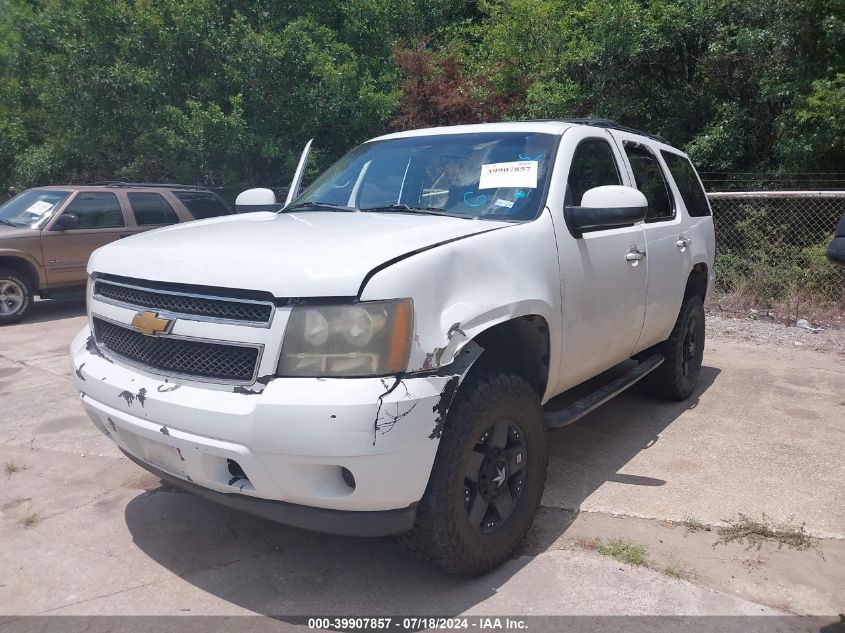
{"x": 22, "y": 266}
{"x": 697, "y": 282}
{"x": 519, "y": 346}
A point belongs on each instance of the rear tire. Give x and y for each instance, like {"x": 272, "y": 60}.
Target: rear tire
{"x": 15, "y": 296}
{"x": 683, "y": 351}
{"x": 487, "y": 479}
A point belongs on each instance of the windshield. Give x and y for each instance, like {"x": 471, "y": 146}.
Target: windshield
{"x": 31, "y": 207}
{"x": 496, "y": 176}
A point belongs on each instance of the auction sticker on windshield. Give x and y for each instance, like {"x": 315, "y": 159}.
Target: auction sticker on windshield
{"x": 518, "y": 174}
{"x": 39, "y": 208}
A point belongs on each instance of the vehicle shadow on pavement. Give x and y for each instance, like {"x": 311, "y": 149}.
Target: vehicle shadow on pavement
{"x": 285, "y": 572}
{"x": 591, "y": 452}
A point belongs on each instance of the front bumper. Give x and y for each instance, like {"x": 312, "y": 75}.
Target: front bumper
{"x": 280, "y": 453}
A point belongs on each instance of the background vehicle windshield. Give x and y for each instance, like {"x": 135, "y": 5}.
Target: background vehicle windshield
{"x": 500, "y": 176}
{"x": 31, "y": 207}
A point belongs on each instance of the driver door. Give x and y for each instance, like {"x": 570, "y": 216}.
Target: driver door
{"x": 101, "y": 220}
{"x": 603, "y": 287}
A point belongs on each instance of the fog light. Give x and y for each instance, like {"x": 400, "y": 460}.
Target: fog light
{"x": 348, "y": 477}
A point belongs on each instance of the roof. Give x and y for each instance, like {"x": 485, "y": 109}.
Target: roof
{"x": 118, "y": 184}
{"x": 542, "y": 126}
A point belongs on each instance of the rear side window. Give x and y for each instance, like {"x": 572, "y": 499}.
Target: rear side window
{"x": 695, "y": 200}
{"x": 96, "y": 210}
{"x": 650, "y": 180}
{"x": 593, "y": 165}
{"x": 202, "y": 204}
{"x": 151, "y": 208}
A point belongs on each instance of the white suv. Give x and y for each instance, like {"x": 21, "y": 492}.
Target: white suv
{"x": 375, "y": 358}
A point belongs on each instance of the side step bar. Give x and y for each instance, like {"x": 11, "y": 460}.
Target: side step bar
{"x": 582, "y": 407}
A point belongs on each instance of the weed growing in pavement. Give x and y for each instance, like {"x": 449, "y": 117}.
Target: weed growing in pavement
{"x": 695, "y": 525}
{"x": 11, "y": 467}
{"x": 753, "y": 533}
{"x": 624, "y": 551}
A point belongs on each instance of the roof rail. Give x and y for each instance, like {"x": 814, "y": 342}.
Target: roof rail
{"x": 158, "y": 185}
{"x": 610, "y": 124}
{"x": 613, "y": 125}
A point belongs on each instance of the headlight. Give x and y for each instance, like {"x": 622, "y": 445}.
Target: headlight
{"x": 372, "y": 338}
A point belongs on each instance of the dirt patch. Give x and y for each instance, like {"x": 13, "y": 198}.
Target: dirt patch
{"x": 772, "y": 333}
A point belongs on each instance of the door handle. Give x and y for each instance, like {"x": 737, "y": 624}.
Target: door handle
{"x": 683, "y": 241}
{"x": 634, "y": 255}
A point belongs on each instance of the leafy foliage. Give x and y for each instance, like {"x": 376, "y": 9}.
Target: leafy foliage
{"x": 226, "y": 92}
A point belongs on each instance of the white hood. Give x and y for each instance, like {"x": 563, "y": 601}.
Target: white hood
{"x": 310, "y": 254}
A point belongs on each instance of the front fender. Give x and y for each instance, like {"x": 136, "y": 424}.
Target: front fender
{"x": 34, "y": 265}
{"x": 463, "y": 288}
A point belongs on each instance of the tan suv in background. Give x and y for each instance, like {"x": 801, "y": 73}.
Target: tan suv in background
{"x": 48, "y": 233}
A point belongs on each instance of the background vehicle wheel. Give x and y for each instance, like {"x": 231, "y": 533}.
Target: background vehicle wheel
{"x": 487, "y": 479}
{"x": 15, "y": 296}
{"x": 675, "y": 379}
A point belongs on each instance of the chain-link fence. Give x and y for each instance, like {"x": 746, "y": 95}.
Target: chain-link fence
{"x": 770, "y": 251}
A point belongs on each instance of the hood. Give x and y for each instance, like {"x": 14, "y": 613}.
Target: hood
{"x": 14, "y": 232}
{"x": 310, "y": 254}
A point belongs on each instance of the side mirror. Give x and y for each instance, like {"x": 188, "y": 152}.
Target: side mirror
{"x": 256, "y": 200}
{"x": 606, "y": 207}
{"x": 836, "y": 250}
{"x": 66, "y": 222}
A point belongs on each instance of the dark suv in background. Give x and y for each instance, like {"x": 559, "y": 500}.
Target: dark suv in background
{"x": 48, "y": 233}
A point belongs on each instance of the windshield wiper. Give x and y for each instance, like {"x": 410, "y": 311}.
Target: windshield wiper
{"x": 9, "y": 223}
{"x": 406, "y": 208}
{"x": 320, "y": 205}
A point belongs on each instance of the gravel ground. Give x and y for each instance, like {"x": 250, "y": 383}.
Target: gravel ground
{"x": 772, "y": 333}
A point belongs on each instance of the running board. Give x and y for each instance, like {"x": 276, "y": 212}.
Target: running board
{"x": 580, "y": 408}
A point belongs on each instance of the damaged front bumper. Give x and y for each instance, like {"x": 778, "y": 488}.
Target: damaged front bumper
{"x": 345, "y": 456}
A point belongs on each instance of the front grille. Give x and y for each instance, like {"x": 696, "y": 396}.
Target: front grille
{"x": 190, "y": 358}
{"x": 227, "y": 309}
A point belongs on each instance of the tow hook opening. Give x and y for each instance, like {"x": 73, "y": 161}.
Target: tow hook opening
{"x": 348, "y": 477}
{"x": 237, "y": 473}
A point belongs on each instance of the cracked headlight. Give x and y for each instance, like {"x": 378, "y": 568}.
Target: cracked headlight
{"x": 372, "y": 338}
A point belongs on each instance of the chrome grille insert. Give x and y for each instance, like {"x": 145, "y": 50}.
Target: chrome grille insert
{"x": 193, "y": 306}
{"x": 196, "y": 359}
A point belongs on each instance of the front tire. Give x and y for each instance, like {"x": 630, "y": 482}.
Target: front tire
{"x": 15, "y": 296}
{"x": 487, "y": 479}
{"x": 683, "y": 352}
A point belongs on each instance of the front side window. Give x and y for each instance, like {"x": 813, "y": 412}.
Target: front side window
{"x": 202, "y": 204}
{"x": 593, "y": 165}
{"x": 31, "y": 208}
{"x": 498, "y": 176}
{"x": 96, "y": 210}
{"x": 151, "y": 209}
{"x": 650, "y": 180}
{"x": 683, "y": 173}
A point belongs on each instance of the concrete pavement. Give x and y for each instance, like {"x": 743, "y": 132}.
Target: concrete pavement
{"x": 763, "y": 435}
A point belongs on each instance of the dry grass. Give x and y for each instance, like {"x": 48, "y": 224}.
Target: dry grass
{"x": 590, "y": 544}
{"x": 30, "y": 519}
{"x": 11, "y": 467}
{"x": 678, "y": 572}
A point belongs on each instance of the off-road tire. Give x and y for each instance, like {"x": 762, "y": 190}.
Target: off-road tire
{"x": 676, "y": 378}
{"x": 443, "y": 535}
{"x": 22, "y": 298}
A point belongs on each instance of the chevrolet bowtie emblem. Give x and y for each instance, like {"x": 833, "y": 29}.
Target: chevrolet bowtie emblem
{"x": 150, "y": 324}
